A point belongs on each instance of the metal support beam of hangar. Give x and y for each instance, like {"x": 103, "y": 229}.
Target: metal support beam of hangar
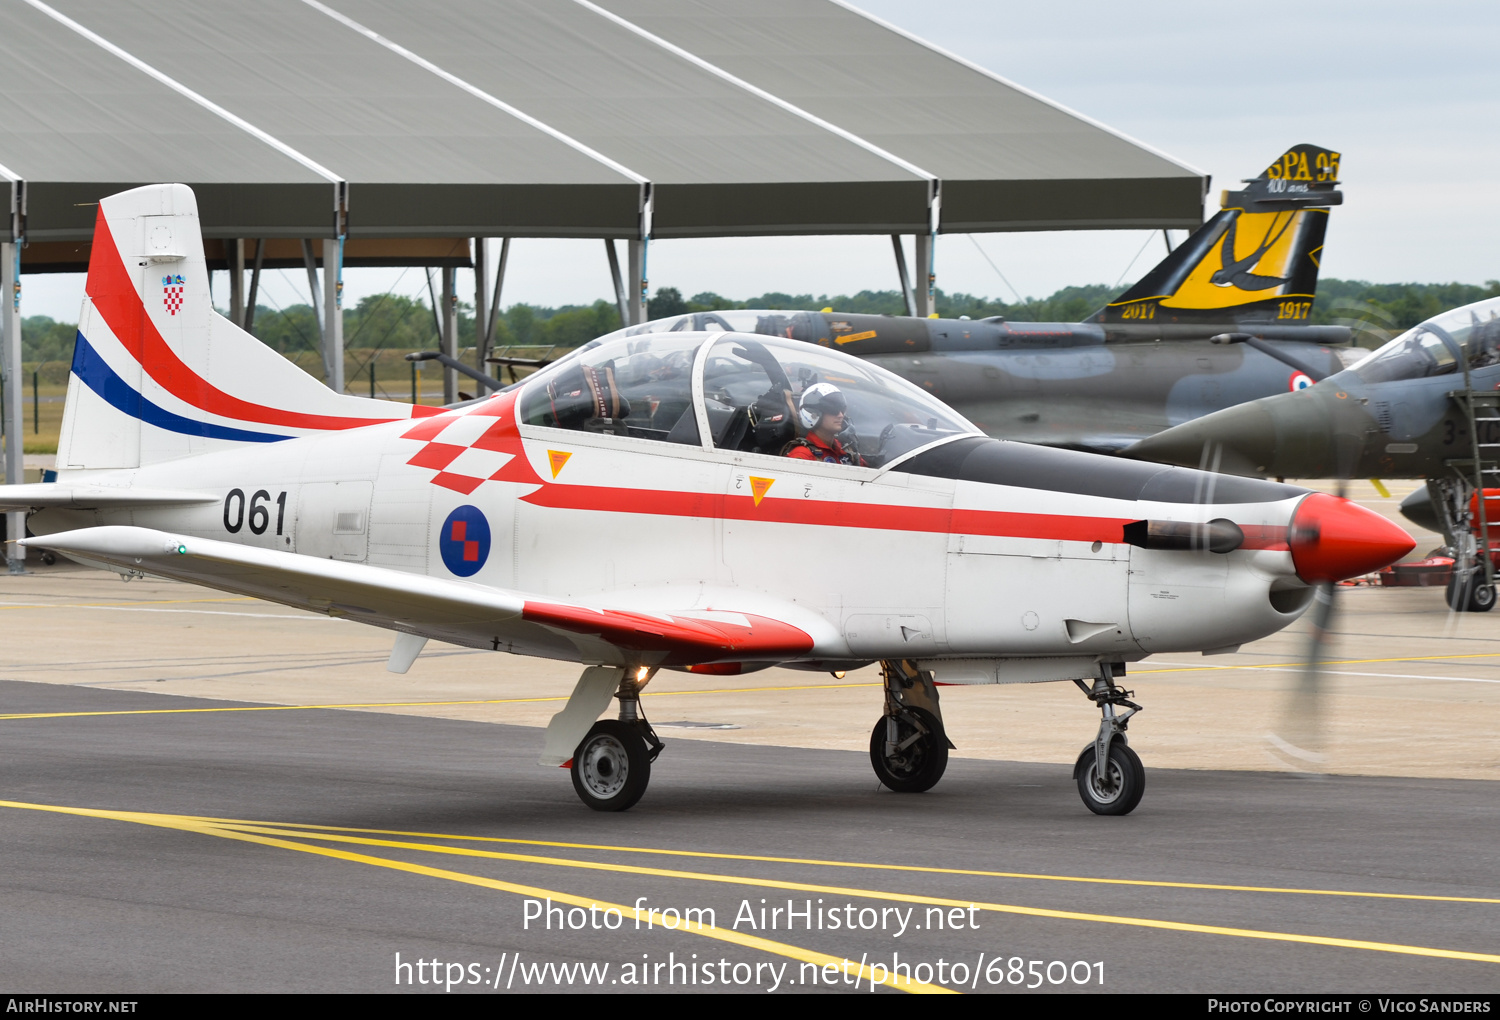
{"x": 390, "y": 132}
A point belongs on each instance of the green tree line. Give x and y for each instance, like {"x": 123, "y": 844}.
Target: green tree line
{"x": 394, "y": 322}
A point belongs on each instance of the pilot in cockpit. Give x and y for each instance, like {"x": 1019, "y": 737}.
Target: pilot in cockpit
{"x": 823, "y": 411}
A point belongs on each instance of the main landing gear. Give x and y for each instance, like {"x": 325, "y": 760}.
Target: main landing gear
{"x": 908, "y": 746}
{"x": 610, "y": 760}
{"x": 1110, "y": 776}
{"x": 612, "y": 764}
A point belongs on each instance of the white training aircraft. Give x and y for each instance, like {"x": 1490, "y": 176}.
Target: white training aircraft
{"x": 707, "y": 502}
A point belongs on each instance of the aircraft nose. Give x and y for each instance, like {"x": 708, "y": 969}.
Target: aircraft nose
{"x": 1238, "y": 440}
{"x": 1332, "y": 538}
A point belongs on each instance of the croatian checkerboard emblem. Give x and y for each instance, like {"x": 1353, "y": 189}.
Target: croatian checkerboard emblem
{"x": 171, "y": 293}
{"x": 464, "y": 541}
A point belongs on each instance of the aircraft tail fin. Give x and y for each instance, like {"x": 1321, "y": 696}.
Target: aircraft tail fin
{"x": 158, "y": 374}
{"x": 1256, "y": 260}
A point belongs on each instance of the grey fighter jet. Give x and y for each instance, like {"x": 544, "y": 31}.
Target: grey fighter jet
{"x": 1143, "y": 363}
{"x": 1426, "y": 405}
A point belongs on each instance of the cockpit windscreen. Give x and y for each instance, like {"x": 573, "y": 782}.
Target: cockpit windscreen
{"x": 638, "y": 387}
{"x": 766, "y": 395}
{"x": 1433, "y": 347}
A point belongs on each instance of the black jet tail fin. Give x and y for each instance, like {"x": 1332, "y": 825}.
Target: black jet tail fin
{"x": 1256, "y": 260}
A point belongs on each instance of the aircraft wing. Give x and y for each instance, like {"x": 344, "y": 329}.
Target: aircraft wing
{"x": 449, "y": 610}
{"x": 60, "y": 495}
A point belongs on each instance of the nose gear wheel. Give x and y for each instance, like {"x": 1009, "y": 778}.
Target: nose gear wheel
{"x": 1110, "y": 776}
{"x": 1119, "y": 789}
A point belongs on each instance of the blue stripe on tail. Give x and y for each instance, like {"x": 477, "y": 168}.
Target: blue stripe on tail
{"x": 105, "y": 381}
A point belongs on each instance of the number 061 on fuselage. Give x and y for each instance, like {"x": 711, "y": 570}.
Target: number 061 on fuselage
{"x": 639, "y": 505}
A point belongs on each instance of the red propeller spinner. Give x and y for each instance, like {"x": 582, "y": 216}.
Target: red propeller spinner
{"x": 1332, "y": 538}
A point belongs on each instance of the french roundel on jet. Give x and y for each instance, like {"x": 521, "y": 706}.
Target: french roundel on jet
{"x": 1299, "y": 381}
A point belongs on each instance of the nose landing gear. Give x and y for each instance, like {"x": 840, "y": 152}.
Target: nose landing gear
{"x": 1110, "y": 776}
{"x": 908, "y": 747}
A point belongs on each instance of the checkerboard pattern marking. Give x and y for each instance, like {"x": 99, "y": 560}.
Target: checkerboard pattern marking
{"x": 464, "y": 448}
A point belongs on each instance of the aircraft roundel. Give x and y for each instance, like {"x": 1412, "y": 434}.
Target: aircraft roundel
{"x": 1299, "y": 381}
{"x": 464, "y": 541}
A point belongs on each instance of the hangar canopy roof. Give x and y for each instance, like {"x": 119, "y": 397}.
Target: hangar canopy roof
{"x": 457, "y": 118}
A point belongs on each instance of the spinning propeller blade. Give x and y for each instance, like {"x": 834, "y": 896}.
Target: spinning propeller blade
{"x": 1300, "y": 739}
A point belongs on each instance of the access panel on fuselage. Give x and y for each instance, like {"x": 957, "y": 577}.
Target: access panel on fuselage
{"x": 866, "y": 552}
{"x": 615, "y": 513}
{"x": 1014, "y": 588}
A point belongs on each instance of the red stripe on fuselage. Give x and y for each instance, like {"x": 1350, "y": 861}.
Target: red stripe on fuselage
{"x": 115, "y": 296}
{"x": 505, "y": 437}
{"x": 823, "y": 514}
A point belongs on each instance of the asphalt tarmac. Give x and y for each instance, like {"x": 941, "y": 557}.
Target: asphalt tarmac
{"x": 151, "y": 849}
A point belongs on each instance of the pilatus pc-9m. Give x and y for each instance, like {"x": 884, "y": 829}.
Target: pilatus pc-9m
{"x": 1144, "y": 362}
{"x": 633, "y": 509}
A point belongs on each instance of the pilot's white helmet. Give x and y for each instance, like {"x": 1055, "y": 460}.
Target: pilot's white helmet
{"x": 817, "y": 400}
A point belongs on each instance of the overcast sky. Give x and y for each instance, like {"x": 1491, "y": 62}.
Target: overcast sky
{"x": 1410, "y": 94}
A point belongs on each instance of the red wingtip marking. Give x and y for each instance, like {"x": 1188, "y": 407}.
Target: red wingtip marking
{"x": 684, "y": 640}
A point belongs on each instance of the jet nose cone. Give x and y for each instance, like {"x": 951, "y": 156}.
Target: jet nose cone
{"x": 1332, "y": 538}
{"x": 1238, "y": 440}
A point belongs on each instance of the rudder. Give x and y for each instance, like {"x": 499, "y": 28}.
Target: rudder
{"x": 157, "y": 373}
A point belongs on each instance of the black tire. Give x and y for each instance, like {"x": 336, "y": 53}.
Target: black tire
{"x": 1127, "y": 780}
{"x": 922, "y": 763}
{"x": 1469, "y": 594}
{"x": 611, "y": 766}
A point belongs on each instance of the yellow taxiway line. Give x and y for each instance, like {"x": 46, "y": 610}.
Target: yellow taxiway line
{"x": 269, "y": 837}
{"x": 861, "y": 865}
{"x": 272, "y": 835}
{"x": 409, "y": 704}
{"x": 673, "y": 694}
{"x": 114, "y": 605}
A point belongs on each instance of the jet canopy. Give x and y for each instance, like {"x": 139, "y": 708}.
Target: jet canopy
{"x": 732, "y": 391}
{"x": 1435, "y": 346}
{"x": 738, "y": 320}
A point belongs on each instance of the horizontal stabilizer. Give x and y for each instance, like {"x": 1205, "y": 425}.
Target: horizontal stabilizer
{"x": 457, "y": 611}
{"x": 52, "y": 495}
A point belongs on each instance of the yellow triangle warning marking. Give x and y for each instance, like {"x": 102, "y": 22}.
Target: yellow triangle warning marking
{"x": 557, "y": 458}
{"x": 759, "y": 487}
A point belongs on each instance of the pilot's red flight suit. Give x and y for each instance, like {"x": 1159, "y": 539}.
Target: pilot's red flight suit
{"x": 811, "y": 447}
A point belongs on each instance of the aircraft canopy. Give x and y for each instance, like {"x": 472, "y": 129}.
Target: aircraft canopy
{"x": 746, "y": 393}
